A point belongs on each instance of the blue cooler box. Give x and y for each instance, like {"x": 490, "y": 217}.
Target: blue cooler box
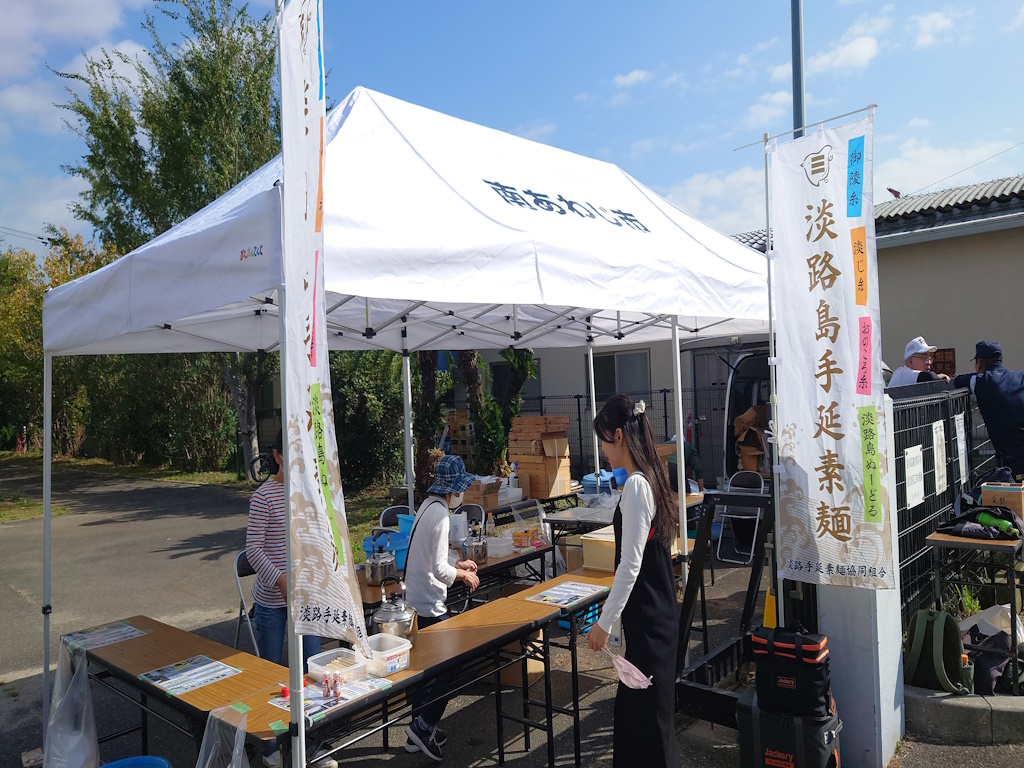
{"x": 618, "y": 475}
{"x": 395, "y": 543}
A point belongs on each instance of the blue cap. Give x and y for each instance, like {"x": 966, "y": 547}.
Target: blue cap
{"x": 987, "y": 350}
{"x": 450, "y": 476}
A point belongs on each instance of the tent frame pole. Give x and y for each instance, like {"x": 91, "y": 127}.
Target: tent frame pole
{"x": 410, "y": 469}
{"x": 593, "y": 412}
{"x": 47, "y": 476}
{"x": 677, "y": 375}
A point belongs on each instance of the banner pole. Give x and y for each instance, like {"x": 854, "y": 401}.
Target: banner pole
{"x": 780, "y": 610}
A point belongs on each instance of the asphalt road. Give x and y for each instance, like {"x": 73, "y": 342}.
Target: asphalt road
{"x": 166, "y": 550}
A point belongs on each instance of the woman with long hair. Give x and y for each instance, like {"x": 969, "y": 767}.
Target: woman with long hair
{"x": 643, "y": 592}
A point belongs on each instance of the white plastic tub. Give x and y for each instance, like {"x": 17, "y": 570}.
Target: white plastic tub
{"x": 352, "y": 666}
{"x": 390, "y": 655}
{"x": 499, "y": 546}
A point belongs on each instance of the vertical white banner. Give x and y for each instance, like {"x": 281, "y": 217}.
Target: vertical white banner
{"x": 834, "y": 512}
{"x": 961, "y": 448}
{"x": 325, "y": 597}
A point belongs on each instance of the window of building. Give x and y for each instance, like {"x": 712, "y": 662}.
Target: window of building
{"x": 623, "y": 372}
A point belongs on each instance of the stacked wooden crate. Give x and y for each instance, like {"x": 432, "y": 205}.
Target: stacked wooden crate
{"x": 540, "y": 446}
{"x": 460, "y": 430}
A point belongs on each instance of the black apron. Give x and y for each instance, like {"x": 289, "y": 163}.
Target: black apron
{"x": 644, "y": 732}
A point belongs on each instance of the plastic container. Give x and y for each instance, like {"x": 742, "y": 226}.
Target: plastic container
{"x": 390, "y": 654}
{"x": 354, "y": 669}
{"x": 144, "y": 761}
{"x": 405, "y": 523}
{"x": 499, "y": 546}
{"x": 619, "y": 476}
{"x": 396, "y": 543}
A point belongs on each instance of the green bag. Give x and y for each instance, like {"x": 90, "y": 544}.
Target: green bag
{"x": 934, "y": 654}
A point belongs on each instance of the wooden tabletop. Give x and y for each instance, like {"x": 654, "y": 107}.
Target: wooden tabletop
{"x": 439, "y": 647}
{"x": 1006, "y": 546}
{"x": 163, "y": 645}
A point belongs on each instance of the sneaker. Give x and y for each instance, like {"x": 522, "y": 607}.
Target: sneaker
{"x": 325, "y": 762}
{"x": 424, "y": 741}
{"x": 440, "y": 738}
{"x": 273, "y": 760}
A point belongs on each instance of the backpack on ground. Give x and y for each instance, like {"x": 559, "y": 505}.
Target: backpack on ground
{"x": 934, "y": 653}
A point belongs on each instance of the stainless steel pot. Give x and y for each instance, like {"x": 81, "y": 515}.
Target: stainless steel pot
{"x": 381, "y": 563}
{"x": 476, "y": 549}
{"x": 395, "y": 616}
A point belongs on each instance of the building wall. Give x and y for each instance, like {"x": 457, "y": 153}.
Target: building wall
{"x": 954, "y": 292}
{"x": 564, "y": 371}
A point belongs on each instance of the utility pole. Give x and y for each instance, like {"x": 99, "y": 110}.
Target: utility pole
{"x": 797, "y": 15}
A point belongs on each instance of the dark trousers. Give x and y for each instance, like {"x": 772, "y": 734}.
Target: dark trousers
{"x": 434, "y": 711}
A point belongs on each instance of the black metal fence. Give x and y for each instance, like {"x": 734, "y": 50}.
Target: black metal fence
{"x": 914, "y": 419}
{"x": 660, "y": 410}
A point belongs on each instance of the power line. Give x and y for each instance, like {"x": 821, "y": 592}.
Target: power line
{"x": 23, "y": 234}
{"x": 997, "y": 154}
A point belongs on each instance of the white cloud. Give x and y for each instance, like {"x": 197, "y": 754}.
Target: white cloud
{"x": 853, "y": 55}
{"x": 919, "y": 122}
{"x": 1016, "y": 22}
{"x": 769, "y": 106}
{"x": 633, "y": 78}
{"x": 682, "y": 147}
{"x": 33, "y": 102}
{"x": 536, "y": 131}
{"x": 919, "y": 165}
{"x": 676, "y": 78}
{"x": 35, "y": 201}
{"x": 875, "y": 24}
{"x": 729, "y": 201}
{"x": 782, "y": 72}
{"x": 930, "y": 26}
{"x": 584, "y": 98}
{"x": 764, "y": 46}
{"x": 30, "y": 27}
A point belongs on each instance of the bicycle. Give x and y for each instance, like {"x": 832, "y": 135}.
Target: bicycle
{"x": 262, "y": 467}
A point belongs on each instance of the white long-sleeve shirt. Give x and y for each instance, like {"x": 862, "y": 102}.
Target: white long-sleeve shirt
{"x": 428, "y": 573}
{"x": 637, "y": 508}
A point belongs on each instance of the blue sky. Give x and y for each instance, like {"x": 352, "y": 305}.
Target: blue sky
{"x": 665, "y": 89}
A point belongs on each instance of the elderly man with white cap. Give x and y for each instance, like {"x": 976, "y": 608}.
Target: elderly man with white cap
{"x": 917, "y": 365}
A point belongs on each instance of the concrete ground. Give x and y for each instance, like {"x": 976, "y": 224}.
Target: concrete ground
{"x": 166, "y": 550}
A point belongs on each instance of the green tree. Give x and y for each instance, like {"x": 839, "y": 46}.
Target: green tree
{"x": 197, "y": 117}
{"x": 21, "y": 343}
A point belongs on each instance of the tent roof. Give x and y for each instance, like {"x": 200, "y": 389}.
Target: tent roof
{"x": 475, "y": 237}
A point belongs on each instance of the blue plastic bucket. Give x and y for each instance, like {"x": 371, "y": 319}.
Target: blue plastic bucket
{"x": 405, "y": 523}
{"x": 143, "y": 761}
{"x": 619, "y": 475}
{"x": 394, "y": 542}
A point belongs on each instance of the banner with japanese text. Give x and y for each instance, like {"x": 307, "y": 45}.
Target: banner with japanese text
{"x": 325, "y": 596}
{"x": 834, "y": 524}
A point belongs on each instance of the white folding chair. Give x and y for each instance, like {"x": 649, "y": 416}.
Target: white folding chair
{"x": 474, "y": 514}
{"x": 744, "y": 480}
{"x": 389, "y": 517}
{"x": 243, "y": 569}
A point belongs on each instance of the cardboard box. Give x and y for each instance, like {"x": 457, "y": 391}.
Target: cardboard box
{"x": 1009, "y": 495}
{"x": 599, "y": 549}
{"x": 479, "y": 489}
{"x": 512, "y": 676}
{"x": 571, "y": 548}
{"x": 556, "y": 444}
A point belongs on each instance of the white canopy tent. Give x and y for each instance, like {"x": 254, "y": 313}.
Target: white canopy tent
{"x": 439, "y": 234}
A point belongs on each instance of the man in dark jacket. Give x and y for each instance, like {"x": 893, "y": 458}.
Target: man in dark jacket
{"x": 1000, "y": 394}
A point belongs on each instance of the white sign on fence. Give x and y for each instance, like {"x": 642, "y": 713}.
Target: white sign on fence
{"x": 913, "y": 462}
{"x": 939, "y": 453}
{"x": 961, "y": 448}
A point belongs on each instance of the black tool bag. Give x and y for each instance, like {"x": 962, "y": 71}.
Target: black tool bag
{"x": 793, "y": 672}
{"x": 781, "y": 740}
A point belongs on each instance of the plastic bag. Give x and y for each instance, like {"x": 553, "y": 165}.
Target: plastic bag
{"x": 71, "y": 733}
{"x": 992, "y": 620}
{"x": 224, "y": 740}
{"x": 629, "y": 675}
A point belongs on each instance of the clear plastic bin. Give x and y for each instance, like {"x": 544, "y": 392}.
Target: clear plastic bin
{"x": 390, "y": 655}
{"x": 499, "y": 546}
{"x": 353, "y": 667}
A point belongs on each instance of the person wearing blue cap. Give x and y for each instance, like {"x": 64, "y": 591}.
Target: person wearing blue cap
{"x": 428, "y": 574}
{"x": 1000, "y": 395}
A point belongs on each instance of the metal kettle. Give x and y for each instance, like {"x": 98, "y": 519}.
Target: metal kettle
{"x": 381, "y": 563}
{"x": 395, "y": 616}
{"x": 476, "y": 547}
